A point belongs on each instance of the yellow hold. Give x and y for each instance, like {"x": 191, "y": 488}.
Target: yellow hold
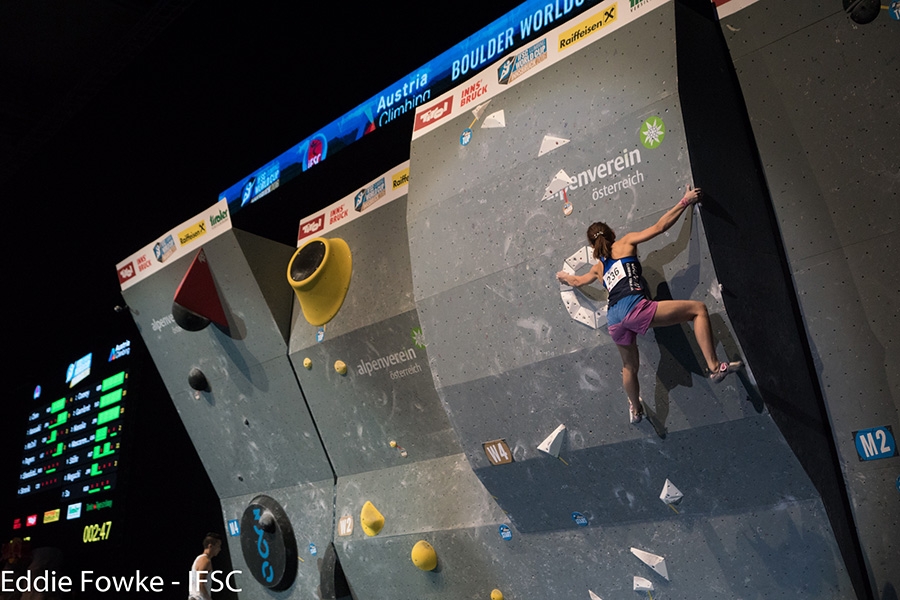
{"x": 424, "y": 556}
{"x": 307, "y": 362}
{"x": 319, "y": 272}
{"x": 372, "y": 521}
{"x": 496, "y": 594}
{"x": 340, "y": 366}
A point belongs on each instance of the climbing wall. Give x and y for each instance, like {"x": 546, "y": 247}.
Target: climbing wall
{"x": 469, "y": 400}
{"x": 821, "y": 91}
{"x": 515, "y": 355}
{"x": 382, "y": 423}
{"x": 249, "y": 422}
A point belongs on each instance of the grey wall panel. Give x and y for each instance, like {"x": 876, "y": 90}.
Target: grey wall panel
{"x": 254, "y": 439}
{"x": 381, "y": 284}
{"x": 480, "y": 231}
{"x": 724, "y": 554}
{"x": 850, "y": 312}
{"x": 310, "y": 508}
{"x": 743, "y": 469}
{"x": 360, "y": 413}
{"x": 430, "y": 495}
{"x": 748, "y": 30}
{"x": 268, "y": 267}
{"x": 515, "y": 317}
{"x": 577, "y": 390}
{"x": 820, "y": 97}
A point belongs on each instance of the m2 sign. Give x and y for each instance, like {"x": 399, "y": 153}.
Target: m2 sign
{"x": 875, "y": 443}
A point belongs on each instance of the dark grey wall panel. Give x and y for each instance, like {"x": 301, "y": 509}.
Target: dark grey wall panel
{"x": 821, "y": 96}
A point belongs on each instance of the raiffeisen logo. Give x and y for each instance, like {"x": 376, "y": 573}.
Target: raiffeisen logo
{"x": 192, "y": 233}
{"x": 310, "y": 227}
{"x": 400, "y": 179}
{"x": 216, "y": 220}
{"x": 126, "y": 272}
{"x": 589, "y": 26}
{"x": 435, "y": 113}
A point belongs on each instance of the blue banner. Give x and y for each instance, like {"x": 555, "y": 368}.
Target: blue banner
{"x": 524, "y": 23}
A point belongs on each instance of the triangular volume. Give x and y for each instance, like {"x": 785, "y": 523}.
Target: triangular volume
{"x": 197, "y": 293}
{"x": 657, "y": 563}
{"x": 551, "y": 143}
{"x": 554, "y": 441}
{"x": 560, "y": 181}
{"x": 642, "y": 585}
{"x": 494, "y": 120}
{"x": 670, "y": 494}
{"x": 479, "y": 110}
{"x": 594, "y": 596}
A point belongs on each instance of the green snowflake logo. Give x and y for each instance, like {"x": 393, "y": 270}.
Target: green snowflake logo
{"x": 418, "y": 337}
{"x": 653, "y": 132}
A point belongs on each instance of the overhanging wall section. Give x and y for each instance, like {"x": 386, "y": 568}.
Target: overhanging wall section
{"x": 251, "y": 427}
{"x": 510, "y": 364}
{"x": 821, "y": 92}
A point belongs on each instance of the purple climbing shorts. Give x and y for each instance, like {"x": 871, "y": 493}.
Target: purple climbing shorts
{"x": 637, "y": 321}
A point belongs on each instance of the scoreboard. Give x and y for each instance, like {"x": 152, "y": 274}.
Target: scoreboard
{"x": 75, "y": 432}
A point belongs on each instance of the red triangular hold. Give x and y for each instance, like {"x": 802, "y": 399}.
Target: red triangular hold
{"x": 197, "y": 292}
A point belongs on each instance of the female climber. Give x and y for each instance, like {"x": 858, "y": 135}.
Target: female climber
{"x": 631, "y": 311}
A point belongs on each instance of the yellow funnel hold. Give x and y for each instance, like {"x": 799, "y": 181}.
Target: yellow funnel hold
{"x": 372, "y": 521}
{"x": 319, "y": 271}
{"x": 424, "y": 556}
{"x": 496, "y": 594}
{"x": 340, "y": 366}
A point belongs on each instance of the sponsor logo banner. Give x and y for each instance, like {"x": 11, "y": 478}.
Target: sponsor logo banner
{"x": 400, "y": 179}
{"x": 473, "y": 92}
{"x": 373, "y": 195}
{"x": 190, "y": 234}
{"x": 338, "y": 213}
{"x": 589, "y": 26}
{"x": 369, "y": 195}
{"x": 515, "y": 66}
{"x": 311, "y": 227}
{"x": 207, "y": 225}
{"x": 126, "y": 272}
{"x": 435, "y": 113}
{"x": 163, "y": 249}
{"x": 541, "y": 51}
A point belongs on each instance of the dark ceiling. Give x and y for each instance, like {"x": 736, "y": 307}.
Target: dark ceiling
{"x": 119, "y": 119}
